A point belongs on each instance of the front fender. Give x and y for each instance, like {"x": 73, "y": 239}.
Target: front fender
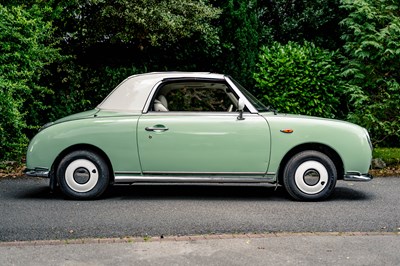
{"x": 349, "y": 141}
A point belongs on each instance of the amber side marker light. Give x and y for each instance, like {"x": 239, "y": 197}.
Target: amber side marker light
{"x": 287, "y": 131}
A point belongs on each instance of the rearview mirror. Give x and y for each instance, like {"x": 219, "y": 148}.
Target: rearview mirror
{"x": 241, "y": 105}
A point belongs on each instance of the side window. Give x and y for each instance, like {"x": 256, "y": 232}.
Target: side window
{"x": 195, "y": 96}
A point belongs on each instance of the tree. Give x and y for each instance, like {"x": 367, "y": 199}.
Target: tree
{"x": 302, "y": 20}
{"x": 135, "y": 26}
{"x": 240, "y": 33}
{"x": 110, "y": 40}
{"x": 372, "y": 35}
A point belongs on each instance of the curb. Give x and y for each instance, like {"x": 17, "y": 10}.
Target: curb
{"x": 189, "y": 238}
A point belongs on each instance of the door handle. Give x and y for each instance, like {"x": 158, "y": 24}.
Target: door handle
{"x": 157, "y": 128}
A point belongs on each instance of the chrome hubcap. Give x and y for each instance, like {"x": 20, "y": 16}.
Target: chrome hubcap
{"x": 81, "y": 175}
{"x": 311, "y": 177}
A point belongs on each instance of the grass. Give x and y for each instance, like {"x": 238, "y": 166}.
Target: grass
{"x": 391, "y": 156}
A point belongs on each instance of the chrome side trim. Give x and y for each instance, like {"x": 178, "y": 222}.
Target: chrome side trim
{"x": 180, "y": 172}
{"x": 191, "y": 179}
{"x": 202, "y": 173}
{"x": 127, "y": 173}
{"x": 355, "y": 176}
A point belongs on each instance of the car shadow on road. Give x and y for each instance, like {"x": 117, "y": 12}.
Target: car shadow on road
{"x": 198, "y": 192}
{"x": 190, "y": 192}
{"x": 40, "y": 193}
{"x": 223, "y": 192}
{"x": 346, "y": 193}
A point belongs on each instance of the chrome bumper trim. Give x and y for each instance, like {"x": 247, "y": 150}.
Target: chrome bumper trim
{"x": 37, "y": 172}
{"x": 357, "y": 177}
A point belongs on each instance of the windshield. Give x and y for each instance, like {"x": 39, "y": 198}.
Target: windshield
{"x": 250, "y": 97}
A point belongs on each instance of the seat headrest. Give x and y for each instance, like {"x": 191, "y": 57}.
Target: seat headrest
{"x": 163, "y": 100}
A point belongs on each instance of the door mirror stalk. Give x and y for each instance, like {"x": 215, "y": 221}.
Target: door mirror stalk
{"x": 241, "y": 105}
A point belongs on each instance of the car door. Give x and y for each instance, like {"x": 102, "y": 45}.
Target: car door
{"x": 196, "y": 142}
{"x": 176, "y": 143}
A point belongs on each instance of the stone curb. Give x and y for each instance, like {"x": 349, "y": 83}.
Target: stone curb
{"x": 190, "y": 238}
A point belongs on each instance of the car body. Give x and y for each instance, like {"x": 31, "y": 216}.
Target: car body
{"x": 195, "y": 127}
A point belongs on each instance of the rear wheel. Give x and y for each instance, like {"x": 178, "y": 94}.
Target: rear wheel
{"x": 83, "y": 175}
{"x": 310, "y": 176}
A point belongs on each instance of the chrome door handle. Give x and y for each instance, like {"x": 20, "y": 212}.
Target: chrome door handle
{"x": 156, "y": 129}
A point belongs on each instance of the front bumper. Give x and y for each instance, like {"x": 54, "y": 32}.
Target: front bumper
{"x": 357, "y": 177}
{"x": 38, "y": 172}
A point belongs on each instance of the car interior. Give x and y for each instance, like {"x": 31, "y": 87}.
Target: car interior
{"x": 195, "y": 96}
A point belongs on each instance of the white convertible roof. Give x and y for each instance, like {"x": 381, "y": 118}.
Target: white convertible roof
{"x": 132, "y": 93}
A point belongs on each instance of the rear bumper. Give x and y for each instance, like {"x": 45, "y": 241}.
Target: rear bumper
{"x": 357, "y": 177}
{"x": 38, "y": 172}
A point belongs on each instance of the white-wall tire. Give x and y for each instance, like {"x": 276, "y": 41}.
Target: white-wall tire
{"x": 83, "y": 175}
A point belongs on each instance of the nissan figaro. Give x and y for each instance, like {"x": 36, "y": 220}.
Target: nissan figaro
{"x": 195, "y": 127}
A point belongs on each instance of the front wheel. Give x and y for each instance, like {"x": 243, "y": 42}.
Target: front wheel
{"x": 83, "y": 175}
{"x": 310, "y": 176}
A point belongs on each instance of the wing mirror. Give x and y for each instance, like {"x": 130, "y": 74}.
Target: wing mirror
{"x": 241, "y": 105}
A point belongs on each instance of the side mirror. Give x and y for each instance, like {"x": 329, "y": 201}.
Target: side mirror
{"x": 241, "y": 105}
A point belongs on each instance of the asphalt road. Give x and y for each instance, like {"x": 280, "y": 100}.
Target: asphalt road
{"x": 29, "y": 212}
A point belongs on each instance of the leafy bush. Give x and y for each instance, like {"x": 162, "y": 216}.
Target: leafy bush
{"x": 12, "y": 140}
{"x": 300, "y": 79}
{"x": 373, "y": 49}
{"x": 24, "y": 51}
{"x": 83, "y": 88}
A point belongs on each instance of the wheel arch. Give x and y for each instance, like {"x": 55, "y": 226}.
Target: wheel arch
{"x": 88, "y": 147}
{"x": 328, "y": 151}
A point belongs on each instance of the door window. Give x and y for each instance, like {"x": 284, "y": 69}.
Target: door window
{"x": 194, "y": 96}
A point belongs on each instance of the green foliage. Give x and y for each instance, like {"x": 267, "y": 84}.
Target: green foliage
{"x": 12, "y": 123}
{"x": 373, "y": 50}
{"x": 104, "y": 41}
{"x": 142, "y": 23}
{"x": 299, "y": 20}
{"x": 240, "y": 35}
{"x": 24, "y": 51}
{"x": 110, "y": 40}
{"x": 84, "y": 88}
{"x": 299, "y": 79}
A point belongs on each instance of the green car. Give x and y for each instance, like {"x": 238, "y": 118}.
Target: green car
{"x": 181, "y": 127}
